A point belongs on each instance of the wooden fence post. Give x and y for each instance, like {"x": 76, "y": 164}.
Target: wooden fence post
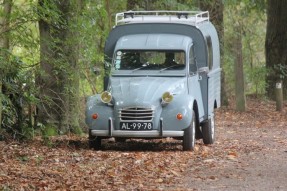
{"x": 279, "y": 96}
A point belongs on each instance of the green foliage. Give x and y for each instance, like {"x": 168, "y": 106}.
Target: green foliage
{"x": 182, "y": 5}
{"x": 49, "y": 131}
{"x": 186, "y": 5}
{"x": 94, "y": 25}
{"x": 280, "y": 70}
{"x": 94, "y": 30}
{"x": 249, "y": 5}
{"x": 17, "y": 68}
{"x": 89, "y": 31}
{"x": 256, "y": 76}
{"x": 16, "y": 98}
{"x": 46, "y": 132}
{"x": 23, "y": 158}
{"x": 250, "y": 17}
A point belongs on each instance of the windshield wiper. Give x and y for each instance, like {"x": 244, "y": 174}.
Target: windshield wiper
{"x": 143, "y": 66}
{"x": 168, "y": 67}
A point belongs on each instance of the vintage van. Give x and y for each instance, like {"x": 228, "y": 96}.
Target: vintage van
{"x": 164, "y": 79}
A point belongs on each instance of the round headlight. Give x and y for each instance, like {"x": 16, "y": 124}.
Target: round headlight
{"x": 106, "y": 97}
{"x": 167, "y": 97}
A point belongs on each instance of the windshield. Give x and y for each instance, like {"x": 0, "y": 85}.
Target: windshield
{"x": 149, "y": 60}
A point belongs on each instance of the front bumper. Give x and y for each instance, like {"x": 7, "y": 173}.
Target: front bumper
{"x": 136, "y": 134}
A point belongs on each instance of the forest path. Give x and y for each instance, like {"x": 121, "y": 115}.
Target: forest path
{"x": 250, "y": 153}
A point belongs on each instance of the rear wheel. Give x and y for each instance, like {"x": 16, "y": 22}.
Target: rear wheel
{"x": 95, "y": 142}
{"x": 189, "y": 135}
{"x": 208, "y": 131}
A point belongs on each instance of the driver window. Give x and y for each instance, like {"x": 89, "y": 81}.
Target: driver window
{"x": 192, "y": 63}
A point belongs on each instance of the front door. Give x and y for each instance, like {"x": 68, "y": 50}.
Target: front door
{"x": 194, "y": 82}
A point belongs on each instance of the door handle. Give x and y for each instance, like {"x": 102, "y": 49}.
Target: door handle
{"x": 199, "y": 78}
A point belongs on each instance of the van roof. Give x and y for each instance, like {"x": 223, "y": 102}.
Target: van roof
{"x": 187, "y": 17}
{"x": 154, "y": 41}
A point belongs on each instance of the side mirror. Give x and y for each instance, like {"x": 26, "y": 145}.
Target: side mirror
{"x": 106, "y": 82}
{"x": 107, "y": 65}
{"x": 96, "y": 70}
{"x": 203, "y": 70}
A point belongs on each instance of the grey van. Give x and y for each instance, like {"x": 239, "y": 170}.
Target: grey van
{"x": 164, "y": 79}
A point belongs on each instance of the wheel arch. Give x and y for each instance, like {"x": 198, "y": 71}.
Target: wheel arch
{"x": 215, "y": 104}
{"x": 195, "y": 109}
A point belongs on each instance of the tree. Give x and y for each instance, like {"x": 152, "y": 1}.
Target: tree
{"x": 238, "y": 70}
{"x": 108, "y": 9}
{"x": 237, "y": 48}
{"x": 17, "y": 38}
{"x": 138, "y": 4}
{"x": 243, "y": 53}
{"x": 159, "y": 5}
{"x": 58, "y": 80}
{"x": 4, "y": 45}
{"x": 275, "y": 45}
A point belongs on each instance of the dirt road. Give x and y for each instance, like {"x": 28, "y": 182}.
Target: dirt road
{"x": 250, "y": 153}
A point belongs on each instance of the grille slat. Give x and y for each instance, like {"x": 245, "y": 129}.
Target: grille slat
{"x": 136, "y": 114}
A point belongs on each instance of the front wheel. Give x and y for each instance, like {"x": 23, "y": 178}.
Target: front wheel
{"x": 120, "y": 139}
{"x": 208, "y": 131}
{"x": 95, "y": 142}
{"x": 189, "y": 135}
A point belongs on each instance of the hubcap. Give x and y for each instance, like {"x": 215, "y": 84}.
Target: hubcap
{"x": 212, "y": 127}
{"x": 193, "y": 132}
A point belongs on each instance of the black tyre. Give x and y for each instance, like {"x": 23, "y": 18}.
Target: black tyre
{"x": 189, "y": 135}
{"x": 95, "y": 142}
{"x": 120, "y": 139}
{"x": 208, "y": 131}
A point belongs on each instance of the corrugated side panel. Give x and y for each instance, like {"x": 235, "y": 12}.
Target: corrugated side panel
{"x": 214, "y": 90}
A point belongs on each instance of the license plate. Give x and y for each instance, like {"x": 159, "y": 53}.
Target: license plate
{"x": 136, "y": 126}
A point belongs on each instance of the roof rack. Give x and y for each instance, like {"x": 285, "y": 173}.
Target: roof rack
{"x": 190, "y": 17}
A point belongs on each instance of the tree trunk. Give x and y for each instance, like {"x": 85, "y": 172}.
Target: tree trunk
{"x": 132, "y": 4}
{"x": 216, "y": 9}
{"x": 4, "y": 45}
{"x": 147, "y": 5}
{"x": 58, "y": 80}
{"x": 108, "y": 9}
{"x": 275, "y": 44}
{"x": 239, "y": 74}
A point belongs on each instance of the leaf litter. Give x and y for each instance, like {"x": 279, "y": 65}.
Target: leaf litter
{"x": 68, "y": 164}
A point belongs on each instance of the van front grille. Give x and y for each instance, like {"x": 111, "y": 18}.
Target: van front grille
{"x": 136, "y": 114}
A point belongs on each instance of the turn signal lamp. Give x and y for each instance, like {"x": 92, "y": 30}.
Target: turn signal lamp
{"x": 179, "y": 116}
{"x": 95, "y": 116}
{"x": 167, "y": 97}
{"x": 106, "y": 97}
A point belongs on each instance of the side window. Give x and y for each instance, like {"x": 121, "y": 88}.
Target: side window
{"x": 209, "y": 51}
{"x": 192, "y": 63}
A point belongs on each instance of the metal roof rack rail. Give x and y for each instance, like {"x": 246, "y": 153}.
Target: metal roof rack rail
{"x": 188, "y": 17}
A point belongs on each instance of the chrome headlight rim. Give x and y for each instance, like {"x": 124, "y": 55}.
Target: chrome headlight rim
{"x": 106, "y": 97}
{"x": 166, "y": 97}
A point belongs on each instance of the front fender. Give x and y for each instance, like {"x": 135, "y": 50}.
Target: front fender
{"x": 95, "y": 105}
{"x": 182, "y": 104}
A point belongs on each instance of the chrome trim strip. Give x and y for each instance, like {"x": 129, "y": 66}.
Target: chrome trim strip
{"x": 137, "y": 134}
{"x": 132, "y": 109}
{"x": 161, "y": 127}
{"x": 111, "y": 127}
{"x": 132, "y": 113}
{"x": 136, "y": 113}
{"x": 135, "y": 121}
